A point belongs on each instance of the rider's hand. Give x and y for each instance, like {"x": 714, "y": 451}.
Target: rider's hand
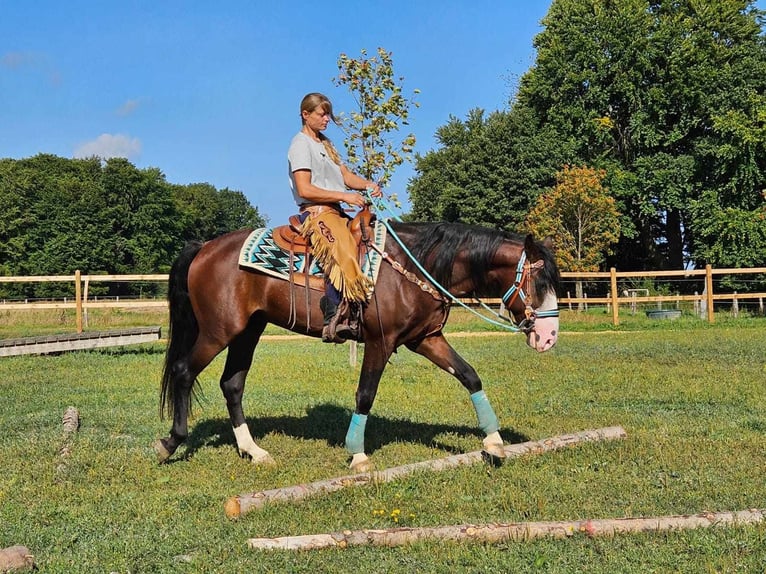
{"x": 374, "y": 189}
{"x": 354, "y": 198}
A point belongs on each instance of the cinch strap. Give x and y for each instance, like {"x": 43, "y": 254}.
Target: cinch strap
{"x": 355, "y": 434}
{"x": 487, "y": 419}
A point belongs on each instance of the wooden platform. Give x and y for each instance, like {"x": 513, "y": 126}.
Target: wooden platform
{"x": 78, "y": 341}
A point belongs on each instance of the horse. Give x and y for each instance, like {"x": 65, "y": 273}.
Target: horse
{"x": 215, "y": 304}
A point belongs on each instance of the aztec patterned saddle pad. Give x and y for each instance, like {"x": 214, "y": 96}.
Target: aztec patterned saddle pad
{"x": 261, "y": 253}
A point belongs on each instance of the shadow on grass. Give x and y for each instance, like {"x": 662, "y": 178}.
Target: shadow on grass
{"x": 330, "y": 422}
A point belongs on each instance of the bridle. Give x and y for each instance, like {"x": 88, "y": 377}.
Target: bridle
{"x": 440, "y": 293}
{"x": 516, "y": 291}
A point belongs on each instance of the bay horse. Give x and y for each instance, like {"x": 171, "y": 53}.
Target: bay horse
{"x": 214, "y": 304}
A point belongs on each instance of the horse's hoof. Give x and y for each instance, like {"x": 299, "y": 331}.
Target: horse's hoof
{"x": 163, "y": 454}
{"x": 266, "y": 460}
{"x": 261, "y": 458}
{"x": 493, "y": 451}
{"x": 360, "y": 462}
{"x": 492, "y": 459}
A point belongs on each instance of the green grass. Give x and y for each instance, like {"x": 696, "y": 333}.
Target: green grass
{"x": 690, "y": 395}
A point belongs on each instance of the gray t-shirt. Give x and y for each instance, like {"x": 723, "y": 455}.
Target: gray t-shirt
{"x": 305, "y": 153}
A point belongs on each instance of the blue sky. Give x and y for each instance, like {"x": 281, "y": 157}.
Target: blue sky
{"x": 209, "y": 91}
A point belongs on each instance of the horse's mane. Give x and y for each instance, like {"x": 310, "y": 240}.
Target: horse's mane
{"x": 436, "y": 245}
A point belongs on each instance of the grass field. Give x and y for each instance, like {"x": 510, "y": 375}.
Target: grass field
{"x": 691, "y": 396}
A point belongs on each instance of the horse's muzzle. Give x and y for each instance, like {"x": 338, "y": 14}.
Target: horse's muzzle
{"x": 544, "y": 334}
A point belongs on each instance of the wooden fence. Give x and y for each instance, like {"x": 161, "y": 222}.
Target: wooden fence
{"x": 705, "y": 300}
{"x": 81, "y": 302}
{"x": 614, "y": 300}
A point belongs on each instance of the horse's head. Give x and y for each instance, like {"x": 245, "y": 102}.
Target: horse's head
{"x": 531, "y": 299}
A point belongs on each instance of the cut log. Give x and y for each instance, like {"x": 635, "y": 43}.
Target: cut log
{"x": 238, "y": 505}
{"x": 508, "y": 532}
{"x": 71, "y": 423}
{"x": 71, "y": 420}
{"x": 16, "y": 559}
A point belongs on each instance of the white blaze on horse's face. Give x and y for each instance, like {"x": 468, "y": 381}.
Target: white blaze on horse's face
{"x": 546, "y": 331}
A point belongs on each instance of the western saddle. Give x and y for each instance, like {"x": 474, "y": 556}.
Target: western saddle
{"x": 288, "y": 238}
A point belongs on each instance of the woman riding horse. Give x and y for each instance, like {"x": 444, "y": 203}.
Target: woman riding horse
{"x": 215, "y": 303}
{"x": 319, "y": 181}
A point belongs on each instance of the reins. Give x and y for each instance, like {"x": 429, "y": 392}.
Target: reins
{"x": 516, "y": 290}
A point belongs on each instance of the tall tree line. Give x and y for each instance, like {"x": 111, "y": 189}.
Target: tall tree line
{"x": 108, "y": 216}
{"x": 668, "y": 97}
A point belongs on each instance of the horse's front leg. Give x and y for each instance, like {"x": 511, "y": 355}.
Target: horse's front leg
{"x": 238, "y": 361}
{"x": 436, "y": 349}
{"x": 375, "y": 357}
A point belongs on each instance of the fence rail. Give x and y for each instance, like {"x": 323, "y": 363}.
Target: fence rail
{"x": 81, "y": 302}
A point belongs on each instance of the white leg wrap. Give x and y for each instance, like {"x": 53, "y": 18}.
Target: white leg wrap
{"x": 360, "y": 463}
{"x": 247, "y": 446}
{"x": 493, "y": 444}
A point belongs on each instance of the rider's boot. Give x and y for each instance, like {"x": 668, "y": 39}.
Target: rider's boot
{"x": 335, "y": 329}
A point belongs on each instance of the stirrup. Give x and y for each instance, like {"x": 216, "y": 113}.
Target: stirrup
{"x": 329, "y": 336}
{"x": 348, "y": 320}
{"x": 345, "y": 331}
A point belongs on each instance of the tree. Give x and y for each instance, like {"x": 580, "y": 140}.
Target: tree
{"x": 581, "y": 216}
{"x": 657, "y": 93}
{"x": 103, "y": 217}
{"x": 140, "y": 217}
{"x": 207, "y": 212}
{"x": 730, "y": 236}
{"x": 488, "y": 169}
{"x": 381, "y": 111}
{"x": 236, "y": 212}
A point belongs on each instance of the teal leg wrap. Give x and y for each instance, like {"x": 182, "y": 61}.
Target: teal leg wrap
{"x": 487, "y": 419}
{"x": 355, "y": 434}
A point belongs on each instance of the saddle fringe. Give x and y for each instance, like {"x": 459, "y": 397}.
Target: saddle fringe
{"x": 346, "y": 276}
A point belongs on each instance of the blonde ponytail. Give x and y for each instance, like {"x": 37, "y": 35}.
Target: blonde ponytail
{"x": 331, "y": 151}
{"x": 309, "y": 103}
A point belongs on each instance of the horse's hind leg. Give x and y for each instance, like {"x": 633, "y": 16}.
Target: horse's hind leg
{"x": 238, "y": 361}
{"x": 183, "y": 375}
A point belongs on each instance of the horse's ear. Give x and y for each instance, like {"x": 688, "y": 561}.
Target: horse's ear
{"x": 530, "y": 245}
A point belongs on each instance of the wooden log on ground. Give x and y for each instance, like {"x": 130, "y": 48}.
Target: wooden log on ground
{"x": 71, "y": 420}
{"x": 508, "y": 532}
{"x": 238, "y": 505}
{"x": 16, "y": 559}
{"x": 71, "y": 423}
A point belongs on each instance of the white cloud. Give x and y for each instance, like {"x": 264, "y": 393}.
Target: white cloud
{"x": 128, "y": 107}
{"x": 110, "y": 145}
{"x": 16, "y": 60}
{"x": 31, "y": 63}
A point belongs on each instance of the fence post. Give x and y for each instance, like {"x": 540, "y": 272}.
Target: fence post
{"x": 735, "y": 306}
{"x": 615, "y": 310}
{"x": 78, "y": 300}
{"x": 709, "y": 286}
{"x": 85, "y": 302}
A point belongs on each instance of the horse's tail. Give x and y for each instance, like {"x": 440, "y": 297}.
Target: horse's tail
{"x": 183, "y": 328}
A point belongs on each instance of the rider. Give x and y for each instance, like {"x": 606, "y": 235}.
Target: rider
{"x": 320, "y": 182}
